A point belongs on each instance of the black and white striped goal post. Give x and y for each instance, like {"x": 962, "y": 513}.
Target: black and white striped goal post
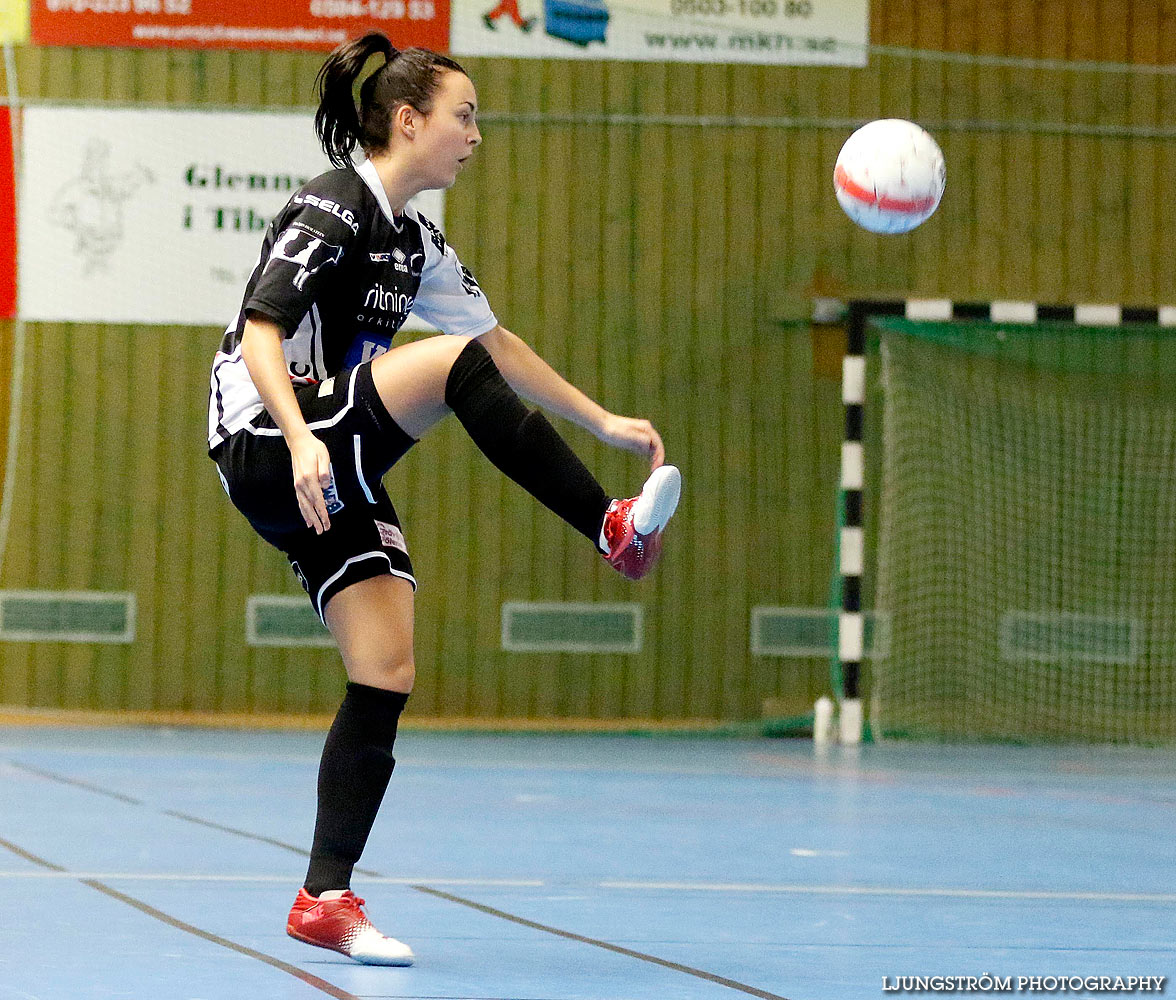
{"x": 845, "y": 719}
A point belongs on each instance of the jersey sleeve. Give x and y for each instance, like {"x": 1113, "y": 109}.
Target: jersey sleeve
{"x": 449, "y": 298}
{"x": 311, "y": 237}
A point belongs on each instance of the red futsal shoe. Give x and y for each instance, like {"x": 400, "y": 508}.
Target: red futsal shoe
{"x": 633, "y": 528}
{"x": 336, "y": 920}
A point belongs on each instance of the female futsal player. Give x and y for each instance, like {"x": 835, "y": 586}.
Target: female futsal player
{"x": 309, "y": 407}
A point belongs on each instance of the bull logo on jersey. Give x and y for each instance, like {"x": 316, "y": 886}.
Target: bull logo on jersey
{"x": 434, "y": 233}
{"x": 311, "y": 253}
{"x": 468, "y": 282}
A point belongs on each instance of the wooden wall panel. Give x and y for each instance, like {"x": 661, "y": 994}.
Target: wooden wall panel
{"x": 666, "y": 267}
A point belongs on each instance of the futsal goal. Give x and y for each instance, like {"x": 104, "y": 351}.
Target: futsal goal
{"x": 1019, "y": 531}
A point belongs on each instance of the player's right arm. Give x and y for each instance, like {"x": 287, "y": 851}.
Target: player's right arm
{"x": 312, "y": 234}
{"x": 261, "y": 347}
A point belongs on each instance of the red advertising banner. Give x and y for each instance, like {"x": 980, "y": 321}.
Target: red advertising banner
{"x": 243, "y": 24}
{"x": 7, "y": 218}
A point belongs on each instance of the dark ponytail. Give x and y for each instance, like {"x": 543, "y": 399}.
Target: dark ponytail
{"x": 409, "y": 77}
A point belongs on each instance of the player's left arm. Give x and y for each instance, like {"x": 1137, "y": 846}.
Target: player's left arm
{"x": 450, "y": 298}
{"x": 534, "y": 379}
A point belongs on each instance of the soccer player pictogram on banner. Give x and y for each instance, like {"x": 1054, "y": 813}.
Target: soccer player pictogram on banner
{"x": 508, "y": 8}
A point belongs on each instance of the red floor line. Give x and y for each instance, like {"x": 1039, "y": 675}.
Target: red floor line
{"x": 627, "y": 952}
{"x": 311, "y": 980}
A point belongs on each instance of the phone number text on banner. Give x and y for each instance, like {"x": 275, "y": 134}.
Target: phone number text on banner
{"x": 246, "y": 24}
{"x": 813, "y": 32}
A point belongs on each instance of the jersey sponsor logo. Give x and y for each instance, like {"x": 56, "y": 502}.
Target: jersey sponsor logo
{"x": 344, "y": 215}
{"x": 331, "y": 495}
{"x": 391, "y": 537}
{"x": 309, "y": 252}
{"x": 378, "y": 321}
{"x": 434, "y": 234}
{"x": 412, "y": 266}
{"x": 388, "y": 300}
{"x": 365, "y": 347}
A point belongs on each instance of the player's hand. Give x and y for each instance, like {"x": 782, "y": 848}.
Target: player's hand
{"x": 637, "y": 436}
{"x": 311, "y": 463}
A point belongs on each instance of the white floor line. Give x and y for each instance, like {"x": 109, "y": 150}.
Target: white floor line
{"x": 736, "y": 770}
{"x": 267, "y": 879}
{"x": 743, "y": 887}
{"x": 856, "y": 890}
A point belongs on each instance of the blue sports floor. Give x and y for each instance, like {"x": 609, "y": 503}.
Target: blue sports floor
{"x": 158, "y": 864}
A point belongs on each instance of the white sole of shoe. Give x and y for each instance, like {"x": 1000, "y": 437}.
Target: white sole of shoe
{"x": 373, "y": 948}
{"x": 658, "y": 500}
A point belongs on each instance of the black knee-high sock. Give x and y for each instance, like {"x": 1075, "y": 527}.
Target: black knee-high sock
{"x": 521, "y": 442}
{"x": 353, "y": 776}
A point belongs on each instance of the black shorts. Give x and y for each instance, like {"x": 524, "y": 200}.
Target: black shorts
{"x": 365, "y": 538}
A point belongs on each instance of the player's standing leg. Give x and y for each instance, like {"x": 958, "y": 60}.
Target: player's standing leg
{"x": 372, "y": 622}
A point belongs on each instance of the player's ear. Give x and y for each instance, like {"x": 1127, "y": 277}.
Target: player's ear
{"x": 404, "y": 120}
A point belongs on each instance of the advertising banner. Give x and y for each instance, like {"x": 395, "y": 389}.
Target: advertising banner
{"x": 825, "y": 32}
{"x": 133, "y": 216}
{"x": 243, "y": 24}
{"x": 7, "y": 218}
{"x": 14, "y": 20}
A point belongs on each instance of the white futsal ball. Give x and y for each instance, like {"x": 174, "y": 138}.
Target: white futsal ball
{"x": 889, "y": 176}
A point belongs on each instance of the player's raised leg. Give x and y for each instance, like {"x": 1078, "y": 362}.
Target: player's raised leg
{"x": 421, "y": 382}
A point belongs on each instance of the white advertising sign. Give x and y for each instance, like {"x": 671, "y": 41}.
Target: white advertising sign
{"x": 155, "y": 216}
{"x": 824, "y": 32}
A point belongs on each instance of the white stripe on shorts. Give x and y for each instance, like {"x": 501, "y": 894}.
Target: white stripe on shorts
{"x": 359, "y": 470}
{"x": 277, "y": 431}
{"x": 318, "y": 601}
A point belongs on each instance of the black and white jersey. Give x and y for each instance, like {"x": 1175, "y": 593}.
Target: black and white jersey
{"x": 339, "y": 272}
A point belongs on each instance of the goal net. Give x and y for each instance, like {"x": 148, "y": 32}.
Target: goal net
{"x": 1024, "y": 505}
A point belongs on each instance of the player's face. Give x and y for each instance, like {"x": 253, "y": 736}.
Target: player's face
{"x": 451, "y": 129}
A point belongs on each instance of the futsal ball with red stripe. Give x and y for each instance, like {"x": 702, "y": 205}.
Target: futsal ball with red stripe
{"x": 889, "y": 176}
